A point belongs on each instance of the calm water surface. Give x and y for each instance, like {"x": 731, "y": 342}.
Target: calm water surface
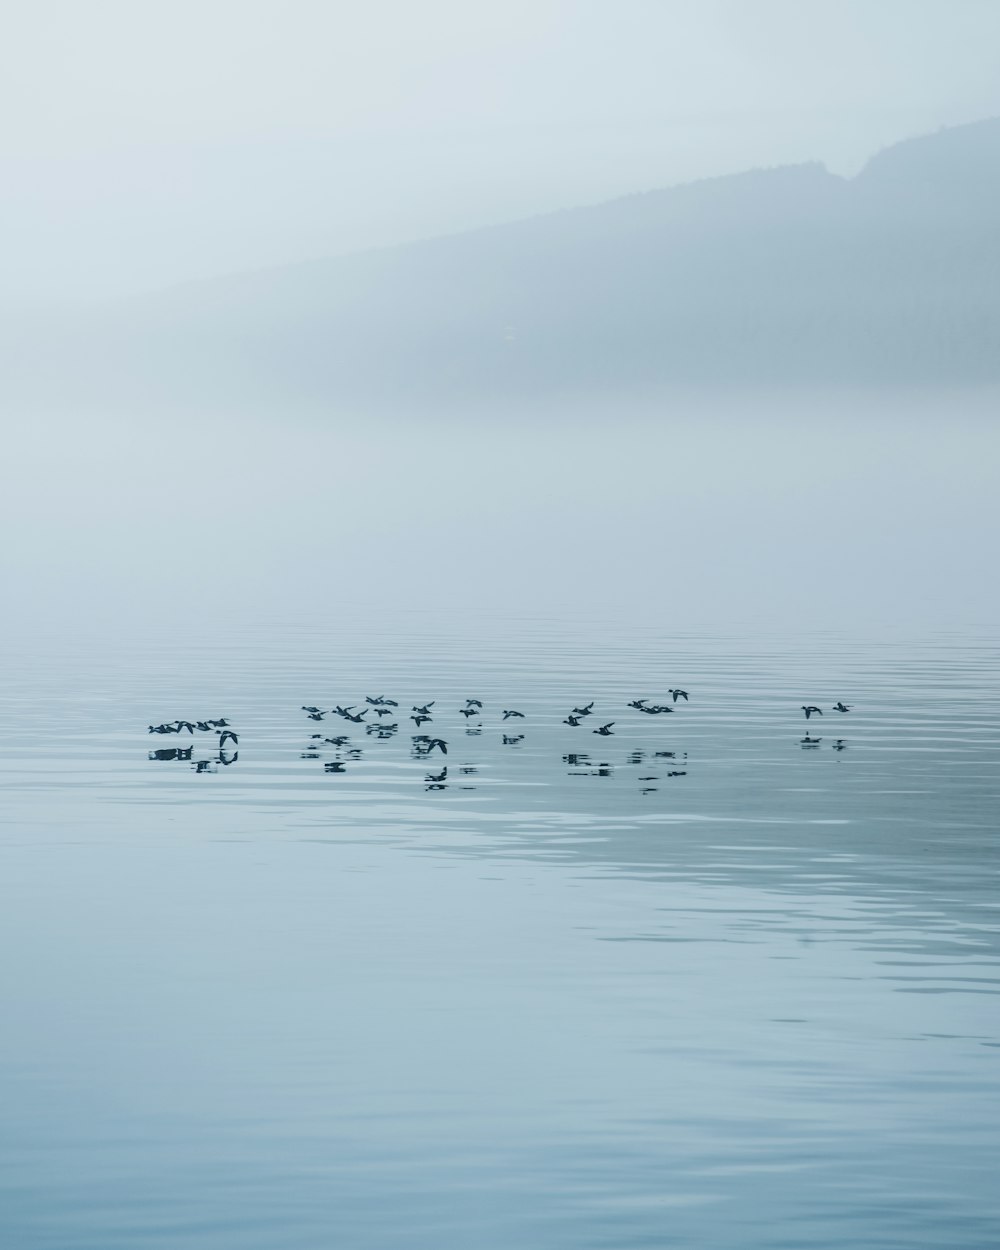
{"x": 568, "y": 1000}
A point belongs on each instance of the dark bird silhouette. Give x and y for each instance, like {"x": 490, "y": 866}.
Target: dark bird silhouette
{"x": 356, "y": 717}
{"x": 468, "y": 711}
{"x": 309, "y": 709}
{"x": 340, "y": 741}
{"x": 162, "y": 729}
{"x": 379, "y": 701}
{"x": 583, "y": 711}
{"x": 227, "y": 735}
{"x": 345, "y": 711}
{"x": 425, "y": 710}
{"x": 184, "y": 724}
{"x": 436, "y": 777}
{"x": 508, "y": 715}
{"x": 316, "y": 715}
{"x": 219, "y": 724}
{"x": 437, "y": 742}
{"x": 679, "y": 772}
{"x": 605, "y": 730}
{"x": 810, "y": 709}
{"x": 572, "y": 720}
{"x": 383, "y": 711}
{"x": 419, "y": 720}
{"x": 473, "y": 703}
{"x": 637, "y": 703}
{"x": 841, "y": 707}
{"x": 810, "y": 742}
{"x": 655, "y": 709}
{"x": 679, "y": 694}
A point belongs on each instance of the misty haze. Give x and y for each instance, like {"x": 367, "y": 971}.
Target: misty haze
{"x": 500, "y": 736}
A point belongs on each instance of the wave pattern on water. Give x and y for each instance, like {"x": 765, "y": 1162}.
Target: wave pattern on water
{"x": 561, "y": 1002}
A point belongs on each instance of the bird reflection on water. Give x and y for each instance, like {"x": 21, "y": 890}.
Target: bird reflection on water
{"x": 422, "y": 745}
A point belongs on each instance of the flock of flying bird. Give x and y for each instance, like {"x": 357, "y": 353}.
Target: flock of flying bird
{"x": 423, "y": 744}
{"x": 227, "y": 744}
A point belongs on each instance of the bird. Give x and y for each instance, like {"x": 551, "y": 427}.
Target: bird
{"x": 162, "y": 729}
{"x": 357, "y": 717}
{"x": 437, "y": 777}
{"x": 383, "y": 711}
{"x": 340, "y": 741}
{"x": 583, "y": 711}
{"x": 309, "y": 709}
{"x": 810, "y": 708}
{"x": 419, "y": 720}
{"x": 316, "y": 715}
{"x": 656, "y": 708}
{"x": 219, "y": 724}
{"x": 437, "y": 742}
{"x": 184, "y": 724}
{"x": 605, "y": 730}
{"x": 468, "y": 711}
{"x": 473, "y": 703}
{"x": 508, "y": 715}
{"x": 425, "y": 710}
{"x": 381, "y": 701}
{"x": 227, "y": 735}
{"x": 572, "y": 720}
{"x": 637, "y": 703}
{"x": 344, "y": 711}
{"x": 841, "y": 707}
{"x": 679, "y": 694}
{"x": 810, "y": 742}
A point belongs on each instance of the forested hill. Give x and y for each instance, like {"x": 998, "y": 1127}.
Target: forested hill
{"x": 781, "y": 275}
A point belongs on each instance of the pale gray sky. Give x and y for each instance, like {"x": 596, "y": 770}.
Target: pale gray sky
{"x": 144, "y": 142}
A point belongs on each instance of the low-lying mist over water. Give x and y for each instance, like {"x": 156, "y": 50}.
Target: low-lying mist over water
{"x": 499, "y": 737}
{"x": 817, "y": 508}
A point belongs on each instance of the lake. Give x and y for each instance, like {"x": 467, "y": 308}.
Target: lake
{"x": 720, "y": 978}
